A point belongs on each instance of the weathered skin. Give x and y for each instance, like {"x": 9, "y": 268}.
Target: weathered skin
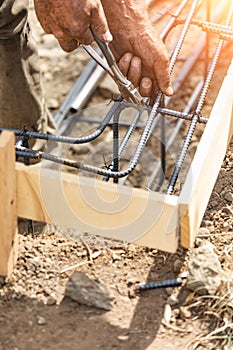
{"x": 70, "y": 21}
{"x": 137, "y": 47}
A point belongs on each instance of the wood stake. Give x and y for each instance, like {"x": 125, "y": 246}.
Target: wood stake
{"x": 8, "y": 218}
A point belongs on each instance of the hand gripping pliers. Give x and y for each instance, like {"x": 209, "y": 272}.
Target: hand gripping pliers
{"x": 127, "y": 89}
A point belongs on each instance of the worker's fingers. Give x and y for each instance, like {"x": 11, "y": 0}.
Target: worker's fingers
{"x": 154, "y": 91}
{"x": 83, "y": 35}
{"x": 66, "y": 42}
{"x": 124, "y": 63}
{"x": 135, "y": 71}
{"x": 161, "y": 71}
{"x": 145, "y": 87}
{"x": 68, "y": 45}
{"x": 99, "y": 25}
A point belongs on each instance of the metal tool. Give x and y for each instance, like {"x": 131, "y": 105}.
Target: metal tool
{"x": 127, "y": 89}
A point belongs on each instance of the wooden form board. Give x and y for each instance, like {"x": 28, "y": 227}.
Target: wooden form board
{"x": 94, "y": 206}
{"x": 207, "y": 162}
{"x": 8, "y": 217}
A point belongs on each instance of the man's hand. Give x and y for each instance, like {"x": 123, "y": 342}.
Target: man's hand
{"x": 138, "y": 49}
{"x": 70, "y": 21}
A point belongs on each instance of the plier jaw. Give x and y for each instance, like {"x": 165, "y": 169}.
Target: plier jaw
{"x": 129, "y": 92}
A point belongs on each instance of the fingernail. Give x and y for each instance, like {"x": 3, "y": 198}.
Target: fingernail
{"x": 107, "y": 36}
{"x": 146, "y": 84}
{"x": 169, "y": 91}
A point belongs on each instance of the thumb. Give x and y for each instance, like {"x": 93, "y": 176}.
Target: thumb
{"x": 99, "y": 24}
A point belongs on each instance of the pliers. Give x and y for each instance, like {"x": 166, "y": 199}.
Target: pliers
{"x": 127, "y": 89}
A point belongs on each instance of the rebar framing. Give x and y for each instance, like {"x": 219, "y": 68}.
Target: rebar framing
{"x": 154, "y": 114}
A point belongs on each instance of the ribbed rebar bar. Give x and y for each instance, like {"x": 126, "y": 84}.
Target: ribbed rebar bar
{"x": 226, "y": 37}
{"x": 116, "y": 144}
{"x": 173, "y": 136}
{"x": 183, "y": 34}
{"x": 197, "y": 112}
{"x": 176, "y": 282}
{"x": 180, "y": 115}
{"x": 73, "y": 140}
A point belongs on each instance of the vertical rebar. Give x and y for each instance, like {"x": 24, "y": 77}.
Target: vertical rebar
{"x": 115, "y": 128}
{"x": 183, "y": 34}
{"x": 162, "y": 152}
{"x": 197, "y": 111}
{"x": 207, "y": 46}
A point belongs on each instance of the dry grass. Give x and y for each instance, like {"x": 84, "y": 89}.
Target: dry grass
{"x": 217, "y": 311}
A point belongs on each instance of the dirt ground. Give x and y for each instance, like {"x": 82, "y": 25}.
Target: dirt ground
{"x": 36, "y": 315}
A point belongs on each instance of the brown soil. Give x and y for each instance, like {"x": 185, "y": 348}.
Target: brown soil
{"x": 35, "y": 314}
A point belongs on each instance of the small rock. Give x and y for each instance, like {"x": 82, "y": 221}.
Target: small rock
{"x": 226, "y": 227}
{"x": 228, "y": 196}
{"x": 207, "y": 223}
{"x": 212, "y": 229}
{"x": 36, "y": 259}
{"x": 227, "y": 210}
{"x": 123, "y": 337}
{"x": 96, "y": 254}
{"x": 214, "y": 204}
{"x": 172, "y": 300}
{"x": 87, "y": 291}
{"x": 116, "y": 257}
{"x": 41, "y": 321}
{"x": 169, "y": 290}
{"x": 51, "y": 301}
{"x": 189, "y": 328}
{"x": 204, "y": 231}
{"x": 184, "y": 312}
{"x": 204, "y": 270}
{"x": 183, "y": 274}
{"x": 198, "y": 242}
{"x": 176, "y": 313}
{"x": 132, "y": 293}
{"x": 2, "y": 281}
{"x": 177, "y": 265}
{"x": 53, "y": 103}
{"x": 179, "y": 322}
{"x": 167, "y": 313}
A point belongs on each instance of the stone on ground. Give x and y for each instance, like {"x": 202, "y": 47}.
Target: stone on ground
{"x": 88, "y": 291}
{"x": 204, "y": 270}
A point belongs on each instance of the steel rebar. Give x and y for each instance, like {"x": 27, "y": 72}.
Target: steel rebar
{"x": 197, "y": 112}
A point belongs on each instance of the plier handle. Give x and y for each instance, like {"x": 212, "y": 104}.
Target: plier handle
{"x": 126, "y": 88}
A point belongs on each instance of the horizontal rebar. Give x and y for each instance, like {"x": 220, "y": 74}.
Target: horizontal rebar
{"x": 222, "y": 29}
